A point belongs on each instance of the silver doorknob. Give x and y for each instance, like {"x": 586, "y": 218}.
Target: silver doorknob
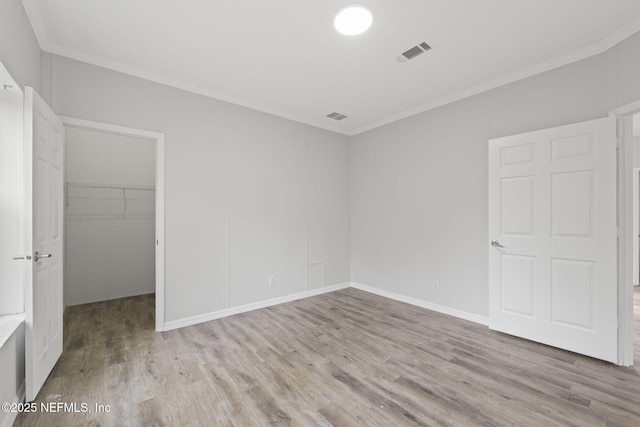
{"x": 496, "y": 244}
{"x": 37, "y": 256}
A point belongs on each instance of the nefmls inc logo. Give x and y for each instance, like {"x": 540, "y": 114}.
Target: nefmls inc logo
{"x": 64, "y": 407}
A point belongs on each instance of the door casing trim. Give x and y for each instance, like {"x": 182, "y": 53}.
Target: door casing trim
{"x": 158, "y": 138}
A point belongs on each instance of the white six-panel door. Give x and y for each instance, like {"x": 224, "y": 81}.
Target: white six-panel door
{"x": 552, "y": 227}
{"x": 44, "y": 136}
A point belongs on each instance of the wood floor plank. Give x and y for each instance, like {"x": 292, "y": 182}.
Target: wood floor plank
{"x": 347, "y": 358}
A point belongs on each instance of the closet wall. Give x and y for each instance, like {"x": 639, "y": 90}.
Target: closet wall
{"x": 110, "y": 216}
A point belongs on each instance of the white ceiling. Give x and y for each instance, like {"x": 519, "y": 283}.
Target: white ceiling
{"x": 284, "y": 56}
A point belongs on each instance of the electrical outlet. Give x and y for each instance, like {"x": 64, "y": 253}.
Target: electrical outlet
{"x": 436, "y": 285}
{"x": 272, "y": 280}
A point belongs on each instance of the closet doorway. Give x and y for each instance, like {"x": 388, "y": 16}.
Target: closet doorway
{"x": 114, "y": 214}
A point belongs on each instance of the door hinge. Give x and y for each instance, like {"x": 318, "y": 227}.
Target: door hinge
{"x": 619, "y": 232}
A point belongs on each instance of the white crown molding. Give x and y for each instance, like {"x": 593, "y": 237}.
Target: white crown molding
{"x": 48, "y": 46}
{"x": 42, "y": 36}
{"x": 186, "y": 86}
{"x": 595, "y": 49}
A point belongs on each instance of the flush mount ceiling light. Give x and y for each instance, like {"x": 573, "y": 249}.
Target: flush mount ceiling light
{"x": 353, "y": 19}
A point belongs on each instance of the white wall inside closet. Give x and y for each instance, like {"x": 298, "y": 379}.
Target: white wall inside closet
{"x": 110, "y": 216}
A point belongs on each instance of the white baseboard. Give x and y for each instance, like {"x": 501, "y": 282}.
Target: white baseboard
{"x": 424, "y": 304}
{"x": 175, "y": 324}
{"x": 201, "y": 318}
{"x": 10, "y": 417}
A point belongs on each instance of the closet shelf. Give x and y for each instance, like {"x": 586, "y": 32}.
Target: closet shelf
{"x": 118, "y": 198}
{"x": 111, "y": 186}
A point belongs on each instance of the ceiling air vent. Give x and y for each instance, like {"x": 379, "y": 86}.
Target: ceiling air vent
{"x": 413, "y": 52}
{"x": 336, "y": 116}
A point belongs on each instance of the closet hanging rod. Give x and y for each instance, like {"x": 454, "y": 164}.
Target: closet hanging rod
{"x": 114, "y": 186}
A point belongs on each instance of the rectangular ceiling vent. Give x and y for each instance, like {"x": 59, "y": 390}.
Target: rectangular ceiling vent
{"x": 414, "y": 51}
{"x": 336, "y": 116}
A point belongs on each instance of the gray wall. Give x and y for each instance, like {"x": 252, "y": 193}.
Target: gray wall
{"x": 625, "y": 73}
{"x": 419, "y": 186}
{"x": 19, "y": 50}
{"x": 247, "y": 194}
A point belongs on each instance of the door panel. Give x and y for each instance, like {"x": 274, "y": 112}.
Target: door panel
{"x": 44, "y": 136}
{"x": 572, "y": 205}
{"x": 517, "y": 273}
{"x": 552, "y": 211}
{"x": 572, "y": 303}
{"x": 517, "y": 214}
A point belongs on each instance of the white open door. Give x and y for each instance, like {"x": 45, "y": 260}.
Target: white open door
{"x": 43, "y": 142}
{"x": 552, "y": 226}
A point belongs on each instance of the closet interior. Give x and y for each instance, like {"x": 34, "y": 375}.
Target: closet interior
{"x": 109, "y": 216}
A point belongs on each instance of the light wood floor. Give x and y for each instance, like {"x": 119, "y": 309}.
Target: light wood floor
{"x": 346, "y": 358}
